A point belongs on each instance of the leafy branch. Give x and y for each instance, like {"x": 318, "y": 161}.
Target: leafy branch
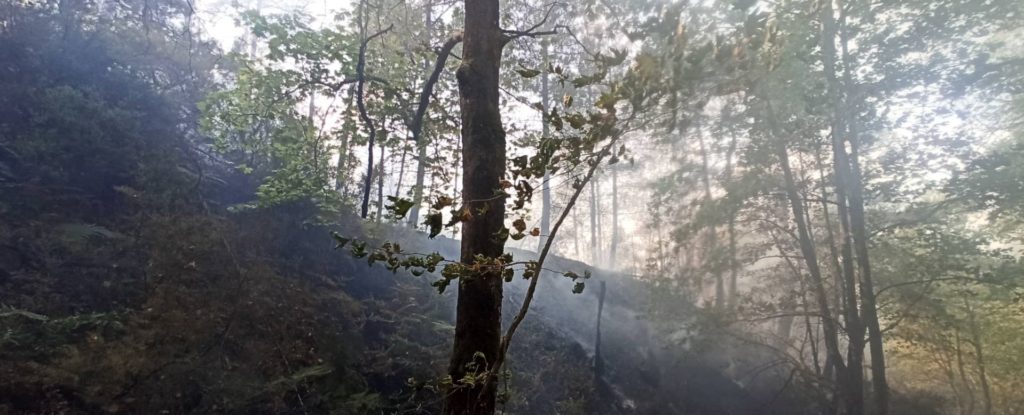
{"x": 578, "y": 187}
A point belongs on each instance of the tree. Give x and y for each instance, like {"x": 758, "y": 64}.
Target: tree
{"x": 478, "y": 318}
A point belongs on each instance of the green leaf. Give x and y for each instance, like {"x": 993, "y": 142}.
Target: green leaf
{"x": 342, "y": 241}
{"x": 433, "y": 221}
{"x": 587, "y": 80}
{"x": 578, "y": 287}
{"x": 442, "y": 202}
{"x": 399, "y": 207}
{"x": 528, "y": 73}
{"x": 616, "y": 58}
{"x": 441, "y": 285}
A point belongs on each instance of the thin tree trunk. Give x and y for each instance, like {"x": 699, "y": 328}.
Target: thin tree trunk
{"x": 421, "y": 145}
{"x": 731, "y": 226}
{"x": 879, "y": 382}
{"x": 416, "y": 126}
{"x": 401, "y": 171}
{"x": 710, "y": 261}
{"x": 455, "y": 181}
{"x": 343, "y": 151}
{"x": 962, "y": 370}
{"x": 312, "y": 107}
{"x": 979, "y": 356}
{"x": 613, "y": 249}
{"x": 810, "y": 256}
{"x": 478, "y": 318}
{"x": 598, "y": 361}
{"x": 600, "y": 224}
{"x": 837, "y": 288}
{"x": 810, "y": 328}
{"x": 361, "y": 105}
{"x": 943, "y": 359}
{"x": 545, "y": 98}
{"x": 253, "y": 45}
{"x": 576, "y": 228}
{"x": 593, "y": 223}
{"x": 380, "y": 184}
{"x": 854, "y": 326}
{"x": 342, "y": 165}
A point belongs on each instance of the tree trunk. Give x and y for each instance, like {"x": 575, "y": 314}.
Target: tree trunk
{"x": 613, "y": 249}
{"x": 880, "y": 385}
{"x": 545, "y": 99}
{"x": 361, "y": 106}
{"x": 593, "y": 223}
{"x": 401, "y": 172}
{"x": 598, "y": 362}
{"x": 339, "y": 179}
{"x": 421, "y": 145}
{"x": 576, "y": 231}
{"x": 253, "y": 44}
{"x": 380, "y": 184}
{"x": 979, "y": 356}
{"x": 807, "y": 250}
{"x": 962, "y": 370}
{"x": 841, "y": 177}
{"x": 478, "y": 319}
{"x": 711, "y": 248}
{"x": 731, "y": 226}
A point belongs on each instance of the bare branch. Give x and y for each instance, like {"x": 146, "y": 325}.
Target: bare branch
{"x": 532, "y": 30}
{"x": 416, "y": 126}
{"x": 547, "y": 14}
{"x": 361, "y": 105}
{"x": 511, "y": 35}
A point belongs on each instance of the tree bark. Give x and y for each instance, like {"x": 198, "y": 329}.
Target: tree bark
{"x": 478, "y": 319}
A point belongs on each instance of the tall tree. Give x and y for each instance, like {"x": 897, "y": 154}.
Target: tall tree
{"x": 478, "y": 319}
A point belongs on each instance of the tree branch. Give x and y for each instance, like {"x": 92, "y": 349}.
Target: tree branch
{"x": 361, "y": 105}
{"x": 506, "y": 340}
{"x": 532, "y": 31}
{"x": 931, "y": 280}
{"x": 416, "y": 126}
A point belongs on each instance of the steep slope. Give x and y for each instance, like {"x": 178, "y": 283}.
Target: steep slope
{"x": 127, "y": 285}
